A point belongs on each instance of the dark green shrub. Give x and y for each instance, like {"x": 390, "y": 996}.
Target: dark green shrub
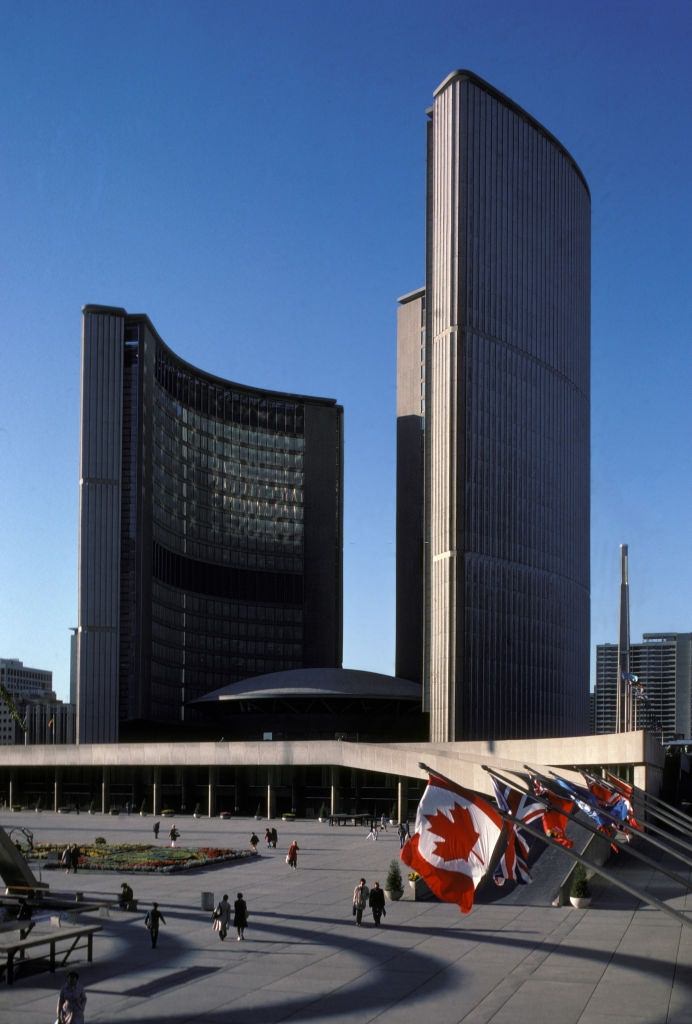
{"x": 579, "y": 887}
{"x": 393, "y": 880}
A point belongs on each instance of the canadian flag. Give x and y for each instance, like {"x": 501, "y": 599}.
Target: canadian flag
{"x": 454, "y": 840}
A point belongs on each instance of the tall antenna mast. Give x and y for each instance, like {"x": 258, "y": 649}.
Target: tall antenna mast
{"x": 623, "y": 702}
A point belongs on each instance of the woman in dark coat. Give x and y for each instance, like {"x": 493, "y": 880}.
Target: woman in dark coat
{"x": 240, "y": 916}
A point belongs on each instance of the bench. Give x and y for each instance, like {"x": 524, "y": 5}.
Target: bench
{"x": 131, "y": 905}
{"x": 9, "y": 950}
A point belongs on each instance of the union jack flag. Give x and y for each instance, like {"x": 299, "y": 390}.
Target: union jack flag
{"x": 513, "y": 864}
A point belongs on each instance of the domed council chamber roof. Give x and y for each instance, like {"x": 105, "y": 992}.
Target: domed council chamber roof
{"x": 316, "y": 682}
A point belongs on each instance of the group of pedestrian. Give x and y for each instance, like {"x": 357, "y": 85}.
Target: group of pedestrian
{"x": 70, "y": 858}
{"x": 271, "y": 838}
{"x": 364, "y": 897}
{"x": 221, "y": 917}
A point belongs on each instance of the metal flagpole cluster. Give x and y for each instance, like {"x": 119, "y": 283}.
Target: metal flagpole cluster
{"x": 662, "y": 810}
{"x": 596, "y": 868}
{"x": 637, "y": 854}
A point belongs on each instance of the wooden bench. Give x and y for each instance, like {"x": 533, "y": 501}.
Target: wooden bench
{"x": 9, "y": 950}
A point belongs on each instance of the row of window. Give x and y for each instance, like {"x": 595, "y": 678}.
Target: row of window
{"x": 223, "y": 402}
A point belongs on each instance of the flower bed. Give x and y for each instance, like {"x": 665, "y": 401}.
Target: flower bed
{"x": 138, "y": 857}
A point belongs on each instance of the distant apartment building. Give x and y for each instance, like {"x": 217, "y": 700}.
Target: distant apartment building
{"x": 44, "y": 717}
{"x": 210, "y": 544}
{"x": 493, "y": 428}
{"x": 662, "y": 695}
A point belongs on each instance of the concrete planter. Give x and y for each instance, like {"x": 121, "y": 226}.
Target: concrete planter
{"x": 392, "y": 895}
{"x": 580, "y": 902}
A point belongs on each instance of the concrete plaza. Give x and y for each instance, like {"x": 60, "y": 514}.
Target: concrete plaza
{"x": 304, "y": 959}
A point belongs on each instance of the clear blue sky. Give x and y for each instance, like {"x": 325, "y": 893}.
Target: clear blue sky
{"x": 251, "y": 175}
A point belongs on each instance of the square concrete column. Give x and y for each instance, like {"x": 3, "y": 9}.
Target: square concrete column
{"x": 156, "y": 793}
{"x": 105, "y": 792}
{"x": 402, "y": 799}
{"x": 334, "y": 792}
{"x": 211, "y": 792}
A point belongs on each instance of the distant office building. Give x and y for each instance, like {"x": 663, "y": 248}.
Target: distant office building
{"x": 662, "y": 695}
{"x": 22, "y": 681}
{"x": 210, "y": 543}
{"x": 44, "y": 718}
{"x": 493, "y": 429}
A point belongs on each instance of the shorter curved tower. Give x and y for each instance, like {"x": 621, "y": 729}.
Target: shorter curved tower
{"x": 210, "y": 544}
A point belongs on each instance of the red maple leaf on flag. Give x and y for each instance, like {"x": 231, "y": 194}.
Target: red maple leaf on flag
{"x": 458, "y": 836}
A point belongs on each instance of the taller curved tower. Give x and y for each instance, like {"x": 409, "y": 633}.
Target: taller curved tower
{"x": 504, "y": 412}
{"x": 210, "y": 544}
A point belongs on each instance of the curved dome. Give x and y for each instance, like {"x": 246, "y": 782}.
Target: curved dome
{"x": 317, "y": 682}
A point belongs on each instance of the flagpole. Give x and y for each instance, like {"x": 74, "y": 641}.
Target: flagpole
{"x": 610, "y": 876}
{"x": 633, "y": 831}
{"x": 637, "y": 854}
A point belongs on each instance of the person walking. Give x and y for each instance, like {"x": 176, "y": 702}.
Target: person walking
{"x": 268, "y": 837}
{"x": 292, "y": 855}
{"x": 372, "y": 834}
{"x": 360, "y": 900}
{"x": 383, "y": 822}
{"x": 275, "y": 838}
{"x": 157, "y": 826}
{"x": 376, "y": 903}
{"x": 173, "y": 835}
{"x": 240, "y": 916}
{"x": 71, "y": 1001}
{"x": 254, "y": 842}
{"x": 65, "y": 859}
{"x": 222, "y": 917}
{"x": 74, "y": 857}
{"x": 152, "y": 920}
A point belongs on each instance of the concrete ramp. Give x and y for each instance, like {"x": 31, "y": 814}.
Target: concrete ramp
{"x": 14, "y": 870}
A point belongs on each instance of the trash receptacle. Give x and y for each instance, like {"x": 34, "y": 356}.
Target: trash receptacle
{"x": 207, "y": 901}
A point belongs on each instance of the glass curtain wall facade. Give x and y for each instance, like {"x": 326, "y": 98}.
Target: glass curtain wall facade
{"x": 505, "y": 646}
{"x": 219, "y": 538}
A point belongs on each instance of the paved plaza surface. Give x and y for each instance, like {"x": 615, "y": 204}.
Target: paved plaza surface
{"x": 305, "y": 960}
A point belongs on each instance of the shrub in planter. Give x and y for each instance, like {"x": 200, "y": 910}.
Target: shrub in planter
{"x": 322, "y": 813}
{"x": 99, "y": 841}
{"x": 580, "y": 883}
{"x": 579, "y": 892}
{"x": 393, "y": 883}
{"x": 167, "y": 812}
{"x": 143, "y": 808}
